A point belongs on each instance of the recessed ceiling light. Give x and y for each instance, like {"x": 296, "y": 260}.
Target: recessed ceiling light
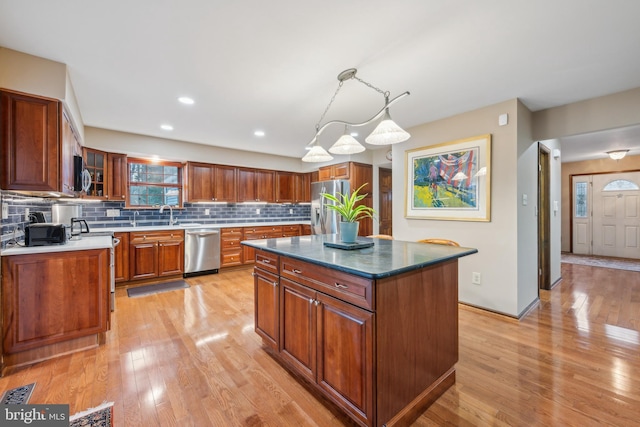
{"x": 259, "y": 133}
{"x": 186, "y": 100}
{"x": 354, "y": 134}
{"x": 166, "y": 127}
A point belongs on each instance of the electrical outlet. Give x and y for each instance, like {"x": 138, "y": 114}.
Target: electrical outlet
{"x": 207, "y": 211}
{"x": 5, "y": 211}
{"x": 113, "y": 212}
{"x": 26, "y": 214}
{"x": 257, "y": 211}
{"x": 476, "y": 278}
{"x": 290, "y": 211}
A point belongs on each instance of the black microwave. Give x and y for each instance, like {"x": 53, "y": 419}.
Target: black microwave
{"x": 43, "y": 234}
{"x": 78, "y": 168}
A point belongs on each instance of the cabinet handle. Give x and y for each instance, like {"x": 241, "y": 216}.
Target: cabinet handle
{"x": 253, "y": 274}
{"x": 316, "y": 302}
{"x": 295, "y": 270}
{"x": 122, "y": 196}
{"x": 310, "y": 300}
{"x": 338, "y": 285}
{"x": 266, "y": 261}
{"x": 144, "y": 237}
{"x": 275, "y": 284}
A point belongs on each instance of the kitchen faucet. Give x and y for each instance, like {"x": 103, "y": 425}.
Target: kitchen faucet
{"x": 171, "y": 220}
{"x": 135, "y": 213}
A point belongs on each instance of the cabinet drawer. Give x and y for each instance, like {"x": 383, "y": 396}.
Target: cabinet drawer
{"x": 290, "y": 228}
{"x": 267, "y": 261}
{"x": 230, "y": 243}
{"x": 227, "y": 259}
{"x": 150, "y": 236}
{"x": 347, "y": 287}
{"x": 262, "y": 232}
{"x": 233, "y": 231}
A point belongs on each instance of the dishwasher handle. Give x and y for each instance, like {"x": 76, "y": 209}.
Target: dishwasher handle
{"x": 203, "y": 233}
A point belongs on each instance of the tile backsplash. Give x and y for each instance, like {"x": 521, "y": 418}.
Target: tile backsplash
{"x": 99, "y": 214}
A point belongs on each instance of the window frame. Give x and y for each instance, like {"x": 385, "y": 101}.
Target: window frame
{"x": 178, "y": 185}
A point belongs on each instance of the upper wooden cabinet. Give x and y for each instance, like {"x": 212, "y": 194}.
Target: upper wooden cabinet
{"x": 98, "y": 166}
{"x": 206, "y": 182}
{"x": 285, "y": 187}
{"x": 35, "y": 156}
{"x": 118, "y": 176}
{"x": 302, "y": 187}
{"x": 337, "y": 171}
{"x": 256, "y": 185}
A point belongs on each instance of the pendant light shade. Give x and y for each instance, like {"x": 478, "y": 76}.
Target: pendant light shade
{"x": 317, "y": 154}
{"x": 387, "y": 132}
{"x": 346, "y": 144}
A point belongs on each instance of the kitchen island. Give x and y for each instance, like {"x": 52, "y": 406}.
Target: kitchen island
{"x": 374, "y": 330}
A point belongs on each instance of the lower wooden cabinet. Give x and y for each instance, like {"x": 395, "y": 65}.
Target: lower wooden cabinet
{"x": 260, "y": 232}
{"x": 156, "y": 254}
{"x": 328, "y": 341}
{"x": 121, "y": 261}
{"x": 53, "y": 297}
{"x": 230, "y": 249}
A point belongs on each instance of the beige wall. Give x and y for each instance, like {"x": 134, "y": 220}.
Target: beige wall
{"x": 38, "y": 76}
{"x": 499, "y": 258}
{"x": 588, "y": 167}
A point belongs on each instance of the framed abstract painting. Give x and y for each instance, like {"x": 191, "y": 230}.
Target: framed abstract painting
{"x": 450, "y": 181}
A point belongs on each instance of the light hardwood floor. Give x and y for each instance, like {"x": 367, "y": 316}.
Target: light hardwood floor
{"x": 191, "y": 358}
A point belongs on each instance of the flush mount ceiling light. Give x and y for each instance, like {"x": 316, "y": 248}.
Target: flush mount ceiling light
{"x": 186, "y": 100}
{"x": 387, "y": 132}
{"x": 166, "y": 127}
{"x": 617, "y": 154}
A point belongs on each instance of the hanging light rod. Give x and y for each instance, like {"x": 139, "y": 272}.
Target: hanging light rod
{"x": 355, "y": 125}
{"x": 387, "y": 132}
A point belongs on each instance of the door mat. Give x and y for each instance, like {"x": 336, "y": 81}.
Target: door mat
{"x": 18, "y": 396}
{"x": 100, "y": 416}
{"x": 601, "y": 261}
{"x": 141, "y": 291}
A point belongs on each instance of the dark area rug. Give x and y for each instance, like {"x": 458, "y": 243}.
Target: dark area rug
{"x": 601, "y": 261}
{"x": 100, "y": 416}
{"x": 141, "y": 291}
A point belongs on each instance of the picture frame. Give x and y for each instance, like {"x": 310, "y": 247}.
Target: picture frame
{"x": 449, "y": 181}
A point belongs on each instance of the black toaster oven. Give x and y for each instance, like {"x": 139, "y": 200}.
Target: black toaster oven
{"x": 43, "y": 234}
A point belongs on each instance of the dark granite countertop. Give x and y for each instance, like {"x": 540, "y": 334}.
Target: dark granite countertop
{"x": 385, "y": 258}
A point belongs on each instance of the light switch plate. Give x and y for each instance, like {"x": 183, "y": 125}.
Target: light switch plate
{"x": 113, "y": 212}
{"x": 5, "y": 211}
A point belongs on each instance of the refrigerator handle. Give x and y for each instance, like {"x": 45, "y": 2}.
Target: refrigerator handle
{"x": 323, "y": 201}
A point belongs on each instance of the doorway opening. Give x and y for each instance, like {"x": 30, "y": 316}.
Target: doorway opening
{"x": 544, "y": 218}
{"x": 385, "y": 201}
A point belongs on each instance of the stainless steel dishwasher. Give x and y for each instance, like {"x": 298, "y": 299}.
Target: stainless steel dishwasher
{"x": 201, "y": 251}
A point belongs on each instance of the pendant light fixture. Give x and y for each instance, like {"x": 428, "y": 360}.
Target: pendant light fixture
{"x": 387, "y": 132}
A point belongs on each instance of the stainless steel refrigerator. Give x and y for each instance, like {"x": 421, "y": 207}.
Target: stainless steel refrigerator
{"x": 324, "y": 220}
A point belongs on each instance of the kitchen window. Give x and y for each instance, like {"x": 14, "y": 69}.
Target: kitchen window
{"x": 154, "y": 183}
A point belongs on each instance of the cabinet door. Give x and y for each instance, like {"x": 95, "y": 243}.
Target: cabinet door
{"x": 117, "y": 178}
{"x": 143, "y": 259}
{"x": 72, "y": 302}
{"x": 97, "y": 165}
{"x": 265, "y": 185}
{"x": 121, "y": 254}
{"x": 302, "y": 188}
{"x": 266, "y": 307}
{"x": 325, "y": 173}
{"x": 224, "y": 178}
{"x": 298, "y": 327}
{"x": 340, "y": 171}
{"x": 170, "y": 256}
{"x": 345, "y": 355}
{"x": 29, "y": 139}
{"x": 284, "y": 187}
{"x": 68, "y": 148}
{"x": 246, "y": 185}
{"x": 199, "y": 182}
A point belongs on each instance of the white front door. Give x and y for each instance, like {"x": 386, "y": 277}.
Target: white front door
{"x": 616, "y": 215}
{"x": 582, "y": 214}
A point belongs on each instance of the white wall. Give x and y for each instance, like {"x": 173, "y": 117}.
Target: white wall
{"x": 497, "y": 241}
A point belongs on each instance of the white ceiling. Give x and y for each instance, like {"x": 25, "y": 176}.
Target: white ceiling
{"x": 272, "y": 65}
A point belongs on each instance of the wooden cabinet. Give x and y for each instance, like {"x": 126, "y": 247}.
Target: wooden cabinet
{"x": 53, "y": 297}
{"x": 98, "y": 166}
{"x": 291, "y": 230}
{"x": 255, "y": 233}
{"x": 121, "y": 261}
{"x": 230, "y": 249}
{"x": 256, "y": 185}
{"x": 337, "y": 171}
{"x": 305, "y": 229}
{"x": 284, "y": 187}
{"x": 267, "y": 323}
{"x": 156, "y": 254}
{"x": 35, "y": 157}
{"x": 325, "y": 339}
{"x": 207, "y": 182}
{"x": 302, "y": 188}
{"x": 117, "y": 188}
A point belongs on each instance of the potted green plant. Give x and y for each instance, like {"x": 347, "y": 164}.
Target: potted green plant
{"x": 347, "y": 206}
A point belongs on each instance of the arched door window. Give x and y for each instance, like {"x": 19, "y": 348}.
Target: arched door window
{"x": 621, "y": 185}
